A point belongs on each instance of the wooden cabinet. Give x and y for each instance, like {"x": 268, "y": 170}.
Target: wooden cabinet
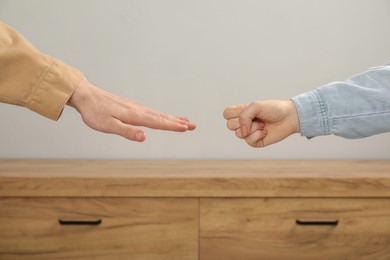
{"x": 309, "y": 228}
{"x": 123, "y": 209}
{"x": 95, "y": 228}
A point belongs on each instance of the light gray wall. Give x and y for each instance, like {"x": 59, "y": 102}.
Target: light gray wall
{"x": 195, "y": 58}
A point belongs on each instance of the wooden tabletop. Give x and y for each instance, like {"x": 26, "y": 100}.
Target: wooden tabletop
{"x": 194, "y": 178}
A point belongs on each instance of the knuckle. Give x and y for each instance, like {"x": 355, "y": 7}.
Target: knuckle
{"x": 229, "y": 124}
{"x": 238, "y": 133}
{"x": 250, "y": 143}
{"x": 128, "y": 133}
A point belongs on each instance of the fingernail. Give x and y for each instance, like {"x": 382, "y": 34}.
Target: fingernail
{"x": 244, "y": 130}
{"x": 140, "y": 136}
{"x": 185, "y": 127}
{"x": 191, "y": 126}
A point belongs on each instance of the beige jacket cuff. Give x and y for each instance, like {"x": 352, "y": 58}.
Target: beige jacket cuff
{"x": 32, "y": 79}
{"x": 55, "y": 88}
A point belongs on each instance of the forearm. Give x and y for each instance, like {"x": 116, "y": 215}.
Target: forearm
{"x": 356, "y": 108}
{"x": 31, "y": 79}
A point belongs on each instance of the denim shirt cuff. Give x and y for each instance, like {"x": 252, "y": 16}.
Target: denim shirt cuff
{"x": 313, "y": 114}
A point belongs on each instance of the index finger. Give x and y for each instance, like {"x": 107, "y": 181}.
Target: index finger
{"x": 233, "y": 111}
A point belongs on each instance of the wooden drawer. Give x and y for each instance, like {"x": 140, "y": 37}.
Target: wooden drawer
{"x": 294, "y": 228}
{"x": 98, "y": 228}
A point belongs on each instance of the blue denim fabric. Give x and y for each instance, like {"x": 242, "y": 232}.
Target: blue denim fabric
{"x": 356, "y": 108}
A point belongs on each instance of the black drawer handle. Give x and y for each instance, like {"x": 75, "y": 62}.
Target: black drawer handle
{"x": 80, "y": 222}
{"x": 317, "y": 223}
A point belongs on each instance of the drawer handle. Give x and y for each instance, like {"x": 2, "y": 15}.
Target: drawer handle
{"x": 80, "y": 222}
{"x": 317, "y": 223}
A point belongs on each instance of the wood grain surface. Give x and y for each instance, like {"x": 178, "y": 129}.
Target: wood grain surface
{"x": 194, "y": 178}
{"x": 129, "y": 229}
{"x": 194, "y": 209}
{"x": 267, "y": 229}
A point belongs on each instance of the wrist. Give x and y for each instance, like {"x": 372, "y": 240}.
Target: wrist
{"x": 79, "y": 94}
{"x": 294, "y": 117}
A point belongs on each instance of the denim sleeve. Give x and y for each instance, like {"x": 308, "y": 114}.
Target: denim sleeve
{"x": 356, "y": 108}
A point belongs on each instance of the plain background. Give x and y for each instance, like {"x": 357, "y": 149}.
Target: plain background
{"x": 194, "y": 58}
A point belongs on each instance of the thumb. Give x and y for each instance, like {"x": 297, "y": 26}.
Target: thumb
{"x": 247, "y": 116}
{"x": 127, "y": 131}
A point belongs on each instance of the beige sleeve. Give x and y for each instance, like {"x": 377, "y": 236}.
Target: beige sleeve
{"x": 32, "y": 79}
